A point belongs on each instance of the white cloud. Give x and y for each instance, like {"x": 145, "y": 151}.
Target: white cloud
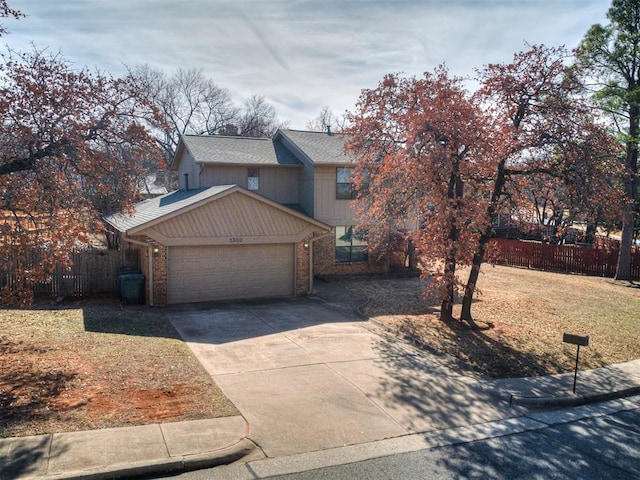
{"x": 300, "y": 54}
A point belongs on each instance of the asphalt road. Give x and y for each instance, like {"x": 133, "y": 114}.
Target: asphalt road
{"x": 600, "y": 445}
{"x": 596, "y": 448}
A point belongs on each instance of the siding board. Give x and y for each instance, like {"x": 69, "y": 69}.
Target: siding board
{"x": 235, "y": 215}
{"x": 328, "y": 208}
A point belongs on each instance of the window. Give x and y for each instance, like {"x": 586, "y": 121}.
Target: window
{"x": 350, "y": 246}
{"x": 344, "y": 187}
{"x": 253, "y": 179}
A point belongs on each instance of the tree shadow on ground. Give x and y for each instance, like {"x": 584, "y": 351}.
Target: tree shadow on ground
{"x": 589, "y": 449}
{"x": 26, "y": 390}
{"x": 491, "y": 357}
{"x": 106, "y": 314}
{"x": 25, "y": 457}
{"x": 400, "y": 306}
{"x": 436, "y": 392}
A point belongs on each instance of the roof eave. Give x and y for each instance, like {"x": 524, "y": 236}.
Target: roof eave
{"x": 252, "y": 164}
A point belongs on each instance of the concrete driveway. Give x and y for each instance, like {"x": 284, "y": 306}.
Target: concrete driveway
{"x": 307, "y": 377}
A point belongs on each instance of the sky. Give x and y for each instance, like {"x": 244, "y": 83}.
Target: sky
{"x": 300, "y": 55}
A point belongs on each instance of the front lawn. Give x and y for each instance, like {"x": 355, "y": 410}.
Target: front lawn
{"x": 527, "y": 312}
{"x": 89, "y": 365}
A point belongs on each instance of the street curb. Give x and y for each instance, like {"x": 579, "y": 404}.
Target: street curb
{"x": 571, "y": 400}
{"x": 182, "y": 463}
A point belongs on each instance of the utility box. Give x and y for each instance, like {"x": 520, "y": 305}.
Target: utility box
{"x": 131, "y": 287}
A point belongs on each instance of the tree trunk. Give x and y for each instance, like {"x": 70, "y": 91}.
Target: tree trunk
{"x": 446, "y": 308}
{"x": 470, "y": 287}
{"x": 623, "y": 269}
{"x": 412, "y": 258}
{"x": 455, "y": 191}
{"x": 478, "y": 256}
{"x": 590, "y": 233}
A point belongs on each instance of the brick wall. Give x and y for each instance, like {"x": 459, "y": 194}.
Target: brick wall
{"x": 159, "y": 261}
{"x": 160, "y": 275}
{"x": 302, "y": 267}
{"x": 324, "y": 260}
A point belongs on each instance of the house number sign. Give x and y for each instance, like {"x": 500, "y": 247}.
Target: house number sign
{"x": 235, "y": 240}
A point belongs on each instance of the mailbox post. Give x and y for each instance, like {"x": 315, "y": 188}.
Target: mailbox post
{"x": 579, "y": 340}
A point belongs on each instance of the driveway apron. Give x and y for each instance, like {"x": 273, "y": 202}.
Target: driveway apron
{"x": 309, "y": 378}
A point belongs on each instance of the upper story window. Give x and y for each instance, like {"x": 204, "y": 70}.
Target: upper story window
{"x": 253, "y": 179}
{"x": 344, "y": 186}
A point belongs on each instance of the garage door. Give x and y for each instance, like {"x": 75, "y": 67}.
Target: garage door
{"x": 202, "y": 274}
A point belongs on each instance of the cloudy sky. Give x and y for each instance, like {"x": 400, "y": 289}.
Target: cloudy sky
{"x": 299, "y": 54}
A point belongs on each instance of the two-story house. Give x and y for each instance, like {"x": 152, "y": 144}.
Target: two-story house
{"x": 252, "y": 218}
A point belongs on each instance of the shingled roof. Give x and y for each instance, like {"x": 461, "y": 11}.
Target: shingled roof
{"x": 238, "y": 150}
{"x": 320, "y": 147}
{"x": 155, "y": 208}
{"x": 284, "y": 149}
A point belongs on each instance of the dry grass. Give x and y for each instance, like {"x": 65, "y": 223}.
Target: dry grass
{"x": 528, "y": 311}
{"x": 96, "y": 365}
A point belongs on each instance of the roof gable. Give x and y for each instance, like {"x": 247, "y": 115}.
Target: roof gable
{"x": 151, "y": 210}
{"x": 216, "y": 215}
{"x": 319, "y": 148}
{"x": 235, "y": 218}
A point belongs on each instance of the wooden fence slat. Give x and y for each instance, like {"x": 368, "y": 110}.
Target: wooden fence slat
{"x": 564, "y": 258}
{"x": 93, "y": 271}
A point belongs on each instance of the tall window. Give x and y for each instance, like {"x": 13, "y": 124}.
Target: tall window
{"x": 350, "y": 247}
{"x": 344, "y": 186}
{"x": 253, "y": 179}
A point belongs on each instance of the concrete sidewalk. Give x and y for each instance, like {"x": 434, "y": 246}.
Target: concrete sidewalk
{"x": 613, "y": 381}
{"x": 126, "y": 452}
{"x": 173, "y": 447}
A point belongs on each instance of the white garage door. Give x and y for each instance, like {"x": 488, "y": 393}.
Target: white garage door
{"x": 202, "y": 274}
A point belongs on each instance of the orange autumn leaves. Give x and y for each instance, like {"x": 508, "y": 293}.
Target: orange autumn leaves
{"x": 437, "y": 163}
{"x": 72, "y": 144}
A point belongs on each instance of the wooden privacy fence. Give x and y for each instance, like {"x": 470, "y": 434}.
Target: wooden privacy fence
{"x": 562, "y": 258}
{"x": 94, "y": 271}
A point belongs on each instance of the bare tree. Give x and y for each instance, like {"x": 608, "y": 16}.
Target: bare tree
{"x": 258, "y": 118}
{"x": 190, "y": 102}
{"x": 327, "y": 119}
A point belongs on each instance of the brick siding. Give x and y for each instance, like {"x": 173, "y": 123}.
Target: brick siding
{"x": 302, "y": 267}
{"x": 324, "y": 260}
{"x": 159, "y": 275}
